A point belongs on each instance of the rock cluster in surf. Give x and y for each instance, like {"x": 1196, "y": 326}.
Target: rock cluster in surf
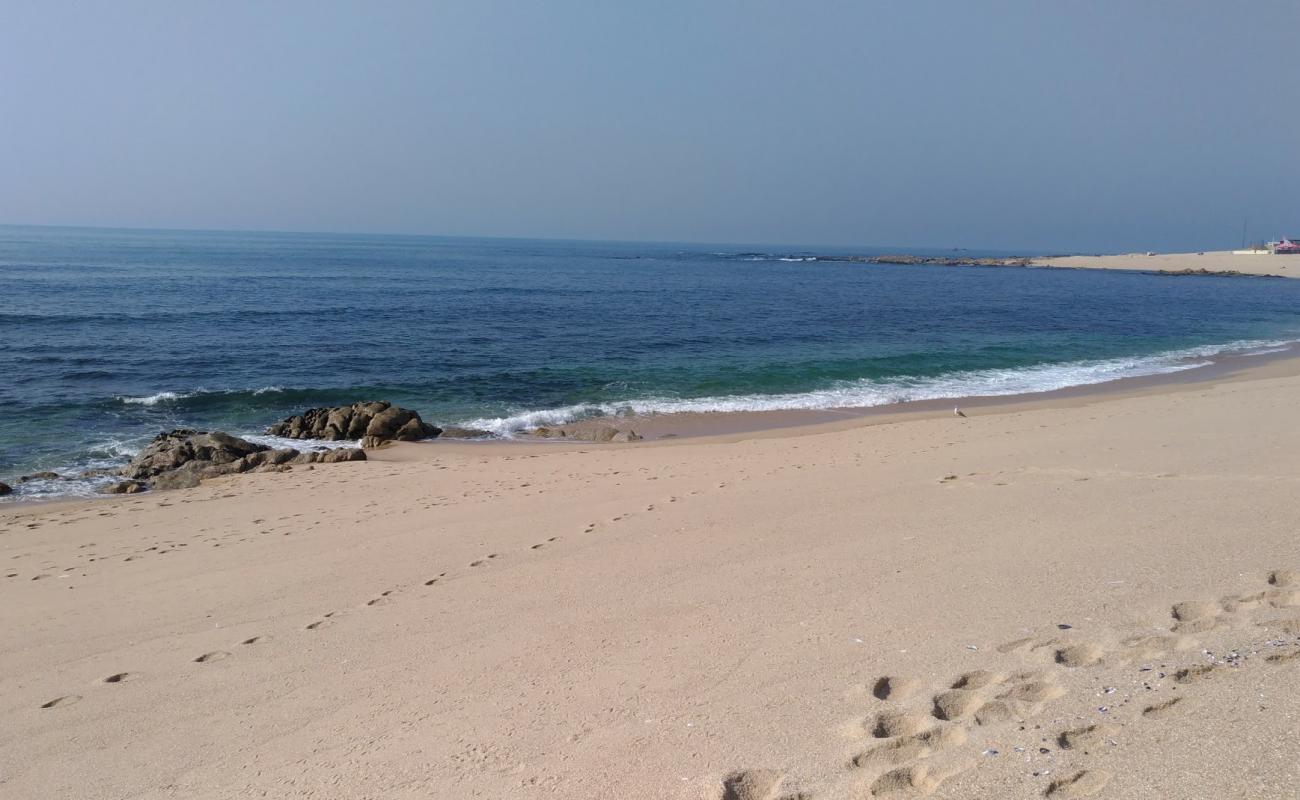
{"x": 374, "y": 423}
{"x": 182, "y": 458}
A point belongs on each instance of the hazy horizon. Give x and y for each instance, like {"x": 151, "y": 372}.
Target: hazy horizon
{"x": 1014, "y": 126}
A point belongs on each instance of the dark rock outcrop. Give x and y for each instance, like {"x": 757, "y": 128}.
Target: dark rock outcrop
{"x": 181, "y": 459}
{"x": 174, "y": 449}
{"x": 941, "y": 261}
{"x": 124, "y": 487}
{"x": 329, "y": 456}
{"x": 374, "y": 423}
{"x": 5, "y": 489}
{"x": 1213, "y": 273}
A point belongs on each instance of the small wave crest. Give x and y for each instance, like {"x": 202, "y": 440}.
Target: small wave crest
{"x": 154, "y": 399}
{"x": 203, "y": 397}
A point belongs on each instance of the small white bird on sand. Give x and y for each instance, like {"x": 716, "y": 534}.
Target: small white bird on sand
{"x": 956, "y": 412}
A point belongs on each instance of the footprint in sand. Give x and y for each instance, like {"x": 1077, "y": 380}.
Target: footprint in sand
{"x": 1195, "y": 673}
{"x": 1089, "y": 736}
{"x": 321, "y": 623}
{"x": 1021, "y": 700}
{"x": 252, "y": 640}
{"x": 432, "y": 581}
{"x": 899, "y": 723}
{"x": 917, "y": 779}
{"x": 1081, "y": 784}
{"x": 122, "y": 677}
{"x": 66, "y": 700}
{"x": 382, "y": 598}
{"x": 957, "y": 704}
{"x": 893, "y": 687}
{"x": 215, "y": 655}
{"x": 1195, "y": 616}
{"x": 911, "y": 748}
{"x": 756, "y": 784}
{"x": 978, "y": 679}
{"x": 1161, "y": 708}
{"x": 1079, "y": 655}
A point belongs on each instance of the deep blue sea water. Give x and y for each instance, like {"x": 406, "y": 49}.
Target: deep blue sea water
{"x": 109, "y": 336}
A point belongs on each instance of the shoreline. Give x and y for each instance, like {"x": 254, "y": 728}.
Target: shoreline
{"x": 667, "y": 428}
{"x": 695, "y": 425}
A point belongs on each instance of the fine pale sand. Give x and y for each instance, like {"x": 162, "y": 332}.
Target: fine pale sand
{"x": 1218, "y": 261}
{"x": 1060, "y": 599}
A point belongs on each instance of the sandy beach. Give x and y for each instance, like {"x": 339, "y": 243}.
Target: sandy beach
{"x": 1071, "y": 599}
{"x": 1214, "y": 261}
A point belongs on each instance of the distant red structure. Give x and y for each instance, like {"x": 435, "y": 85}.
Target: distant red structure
{"x": 1286, "y": 246}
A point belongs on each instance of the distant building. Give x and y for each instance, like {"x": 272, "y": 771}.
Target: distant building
{"x": 1286, "y": 246}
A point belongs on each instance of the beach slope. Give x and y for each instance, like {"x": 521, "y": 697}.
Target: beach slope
{"x": 1070, "y": 600}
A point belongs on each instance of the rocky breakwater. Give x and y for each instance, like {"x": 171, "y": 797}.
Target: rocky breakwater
{"x": 374, "y": 423}
{"x": 182, "y": 458}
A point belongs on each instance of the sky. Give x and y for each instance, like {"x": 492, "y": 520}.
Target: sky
{"x": 1059, "y": 126}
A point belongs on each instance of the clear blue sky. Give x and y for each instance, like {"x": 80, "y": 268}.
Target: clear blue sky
{"x": 1044, "y": 124}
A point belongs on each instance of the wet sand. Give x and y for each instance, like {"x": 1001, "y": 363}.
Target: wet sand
{"x": 1063, "y": 597}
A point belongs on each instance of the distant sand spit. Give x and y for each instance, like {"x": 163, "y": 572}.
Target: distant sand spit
{"x": 1089, "y": 597}
{"x": 1286, "y": 266}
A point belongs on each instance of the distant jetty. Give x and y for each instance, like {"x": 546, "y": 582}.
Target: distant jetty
{"x": 1256, "y": 269}
{"x": 1214, "y": 273}
{"x": 939, "y": 261}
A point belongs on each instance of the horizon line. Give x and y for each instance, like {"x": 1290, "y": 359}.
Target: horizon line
{"x": 875, "y": 248}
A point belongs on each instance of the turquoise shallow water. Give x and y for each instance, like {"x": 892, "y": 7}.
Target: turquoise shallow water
{"x": 107, "y": 337}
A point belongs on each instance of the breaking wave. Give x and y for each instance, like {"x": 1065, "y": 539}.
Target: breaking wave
{"x": 867, "y": 393}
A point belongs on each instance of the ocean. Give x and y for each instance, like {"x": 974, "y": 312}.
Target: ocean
{"x": 109, "y": 336}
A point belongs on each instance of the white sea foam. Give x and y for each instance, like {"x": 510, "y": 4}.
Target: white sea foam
{"x": 870, "y": 393}
{"x": 284, "y": 443}
{"x": 154, "y": 399}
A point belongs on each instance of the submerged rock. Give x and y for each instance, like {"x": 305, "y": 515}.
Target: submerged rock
{"x": 40, "y": 476}
{"x": 465, "y": 433}
{"x": 374, "y": 423}
{"x": 587, "y": 432}
{"x": 5, "y": 489}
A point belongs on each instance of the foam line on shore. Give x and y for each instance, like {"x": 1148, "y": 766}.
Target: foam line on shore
{"x": 869, "y": 393}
